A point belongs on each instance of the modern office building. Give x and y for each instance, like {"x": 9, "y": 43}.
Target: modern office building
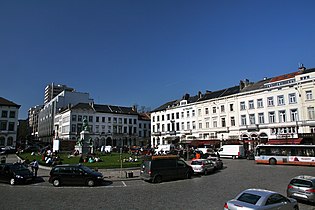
{"x": 8, "y": 122}
{"x": 52, "y": 90}
{"x": 47, "y": 114}
{"x": 33, "y": 114}
{"x": 108, "y": 124}
{"x": 273, "y": 110}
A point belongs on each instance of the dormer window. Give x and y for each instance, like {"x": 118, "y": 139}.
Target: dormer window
{"x": 184, "y": 102}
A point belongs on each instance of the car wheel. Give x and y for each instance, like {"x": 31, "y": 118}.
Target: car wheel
{"x": 158, "y": 179}
{"x": 12, "y": 181}
{"x": 90, "y": 183}
{"x": 56, "y": 182}
{"x": 206, "y": 172}
{"x": 296, "y": 207}
{"x": 272, "y": 161}
{"x": 188, "y": 175}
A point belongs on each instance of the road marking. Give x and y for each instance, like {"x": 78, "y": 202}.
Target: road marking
{"x": 124, "y": 183}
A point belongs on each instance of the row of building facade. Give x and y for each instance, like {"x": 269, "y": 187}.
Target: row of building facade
{"x": 274, "y": 110}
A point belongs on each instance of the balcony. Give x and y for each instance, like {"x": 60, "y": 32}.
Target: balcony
{"x": 156, "y": 133}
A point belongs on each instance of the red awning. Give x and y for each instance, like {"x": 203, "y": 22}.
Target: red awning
{"x": 285, "y": 141}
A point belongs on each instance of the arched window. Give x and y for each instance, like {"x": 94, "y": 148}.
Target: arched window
{"x": 10, "y": 141}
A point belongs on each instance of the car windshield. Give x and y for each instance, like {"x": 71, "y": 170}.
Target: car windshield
{"x": 18, "y": 167}
{"x": 301, "y": 183}
{"x": 249, "y": 198}
{"x": 87, "y": 169}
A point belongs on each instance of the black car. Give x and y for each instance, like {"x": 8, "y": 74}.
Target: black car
{"x": 74, "y": 174}
{"x": 165, "y": 167}
{"x": 14, "y": 173}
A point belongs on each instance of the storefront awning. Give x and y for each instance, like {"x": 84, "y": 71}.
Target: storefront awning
{"x": 285, "y": 141}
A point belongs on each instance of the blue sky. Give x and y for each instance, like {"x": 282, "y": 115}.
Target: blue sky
{"x": 148, "y": 52}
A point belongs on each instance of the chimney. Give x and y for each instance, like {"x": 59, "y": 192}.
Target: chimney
{"x": 134, "y": 108}
{"x": 242, "y": 85}
{"x": 199, "y": 94}
{"x": 302, "y": 68}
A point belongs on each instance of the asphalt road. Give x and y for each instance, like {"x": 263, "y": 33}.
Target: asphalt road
{"x": 200, "y": 192}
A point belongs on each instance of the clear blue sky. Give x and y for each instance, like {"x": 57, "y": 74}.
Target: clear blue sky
{"x": 148, "y": 52}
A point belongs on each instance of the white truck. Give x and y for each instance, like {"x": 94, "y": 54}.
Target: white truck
{"x": 164, "y": 149}
{"x": 232, "y": 151}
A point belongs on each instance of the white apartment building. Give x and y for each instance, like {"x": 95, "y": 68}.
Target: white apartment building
{"x": 273, "y": 110}
{"x": 47, "y": 114}
{"x": 109, "y": 125}
{"x": 8, "y": 122}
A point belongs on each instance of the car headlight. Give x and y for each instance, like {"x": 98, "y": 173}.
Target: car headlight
{"x": 19, "y": 177}
{"x": 100, "y": 177}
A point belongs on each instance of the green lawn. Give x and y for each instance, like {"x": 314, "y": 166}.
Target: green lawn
{"x": 108, "y": 161}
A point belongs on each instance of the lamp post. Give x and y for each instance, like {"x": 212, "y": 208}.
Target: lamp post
{"x": 221, "y": 143}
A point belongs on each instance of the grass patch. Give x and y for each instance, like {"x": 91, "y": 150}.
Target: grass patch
{"x": 108, "y": 160}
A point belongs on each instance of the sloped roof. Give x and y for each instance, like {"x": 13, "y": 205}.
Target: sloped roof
{"x": 104, "y": 108}
{"x": 5, "y": 102}
{"x": 285, "y": 76}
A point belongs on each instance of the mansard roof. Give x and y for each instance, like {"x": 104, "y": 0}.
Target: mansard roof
{"x": 5, "y": 102}
{"x": 244, "y": 86}
{"x": 100, "y": 108}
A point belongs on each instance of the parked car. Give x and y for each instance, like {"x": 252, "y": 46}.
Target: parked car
{"x": 74, "y": 174}
{"x": 165, "y": 167}
{"x": 302, "y": 188}
{"x": 15, "y": 173}
{"x": 259, "y": 199}
{"x": 202, "y": 166}
{"x": 218, "y": 163}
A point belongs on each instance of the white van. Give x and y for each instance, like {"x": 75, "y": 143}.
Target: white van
{"x": 165, "y": 148}
{"x": 232, "y": 151}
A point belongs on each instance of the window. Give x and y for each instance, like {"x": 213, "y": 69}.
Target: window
{"x": 73, "y": 128}
{"x": 2, "y": 141}
{"x": 243, "y": 119}
{"x": 223, "y": 123}
{"x": 215, "y": 124}
{"x": 130, "y": 121}
{"x": 280, "y": 100}
{"x": 251, "y": 104}
{"x": 188, "y": 125}
{"x": 12, "y": 114}
{"x": 11, "y": 126}
{"x": 206, "y": 111}
{"x": 103, "y": 119}
{"x": 187, "y": 114}
{"x": 222, "y": 108}
{"x": 120, "y": 120}
{"x": 97, "y": 119}
{"x": 292, "y": 98}
{"x": 282, "y": 116}
{"x": 177, "y": 115}
{"x": 115, "y": 120}
{"x": 232, "y": 121}
{"x": 10, "y": 141}
{"x": 193, "y": 125}
{"x": 311, "y": 113}
{"x": 231, "y": 107}
{"x": 260, "y": 103}
{"x": 261, "y": 118}
{"x": 207, "y": 124}
{"x": 157, "y": 119}
{"x": 80, "y": 118}
{"x": 193, "y": 113}
{"x": 200, "y": 125}
{"x": 242, "y": 105}
{"x": 177, "y": 126}
{"x": 199, "y": 112}
{"x": 183, "y": 126}
{"x": 3, "y": 125}
{"x": 270, "y": 101}
{"x": 272, "y": 117}
{"x": 294, "y": 115}
{"x": 309, "y": 95}
{"x": 74, "y": 118}
{"x": 214, "y": 109}
{"x": 134, "y": 121}
{"x": 109, "y": 119}
{"x": 168, "y": 116}
{"x": 163, "y": 128}
{"x": 173, "y": 116}
{"x": 4, "y": 114}
{"x": 182, "y": 115}
{"x": 162, "y": 117}
{"x": 90, "y": 118}
{"x": 252, "y": 119}
{"x": 153, "y": 119}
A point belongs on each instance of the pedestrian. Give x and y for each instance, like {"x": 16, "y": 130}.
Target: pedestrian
{"x": 34, "y": 166}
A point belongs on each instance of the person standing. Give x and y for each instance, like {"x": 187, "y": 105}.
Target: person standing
{"x": 34, "y": 166}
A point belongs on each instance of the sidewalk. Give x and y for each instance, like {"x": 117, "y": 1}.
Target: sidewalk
{"x": 117, "y": 174}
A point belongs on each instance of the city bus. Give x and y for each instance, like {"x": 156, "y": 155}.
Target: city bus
{"x": 285, "y": 154}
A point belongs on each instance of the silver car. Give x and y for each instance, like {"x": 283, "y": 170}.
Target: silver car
{"x": 302, "y": 188}
{"x": 202, "y": 166}
{"x": 261, "y": 199}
